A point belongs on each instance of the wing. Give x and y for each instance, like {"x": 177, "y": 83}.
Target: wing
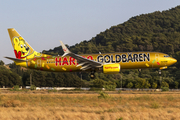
{"x": 84, "y": 62}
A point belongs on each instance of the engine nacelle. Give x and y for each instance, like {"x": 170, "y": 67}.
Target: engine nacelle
{"x": 111, "y": 68}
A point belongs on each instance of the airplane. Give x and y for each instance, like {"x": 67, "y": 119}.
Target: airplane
{"x": 107, "y": 63}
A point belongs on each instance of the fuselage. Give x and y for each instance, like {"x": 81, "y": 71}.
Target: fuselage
{"x": 127, "y": 60}
{"x": 108, "y": 63}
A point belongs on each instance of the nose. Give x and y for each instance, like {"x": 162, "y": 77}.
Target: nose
{"x": 172, "y": 61}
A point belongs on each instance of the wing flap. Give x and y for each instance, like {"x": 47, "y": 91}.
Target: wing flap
{"x": 82, "y": 59}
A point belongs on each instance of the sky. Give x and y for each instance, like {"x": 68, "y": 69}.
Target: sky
{"x": 42, "y": 23}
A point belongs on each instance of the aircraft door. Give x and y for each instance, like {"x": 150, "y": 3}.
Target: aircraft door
{"x": 157, "y": 57}
{"x": 38, "y": 63}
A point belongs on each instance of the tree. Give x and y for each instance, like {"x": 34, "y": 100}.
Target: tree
{"x": 59, "y": 80}
{"x": 154, "y": 85}
{"x": 110, "y": 86}
{"x": 49, "y": 80}
{"x": 129, "y": 85}
{"x": 1, "y": 62}
{"x": 142, "y": 83}
{"x": 176, "y": 85}
{"x": 164, "y": 84}
{"x": 38, "y": 79}
{"x": 98, "y": 83}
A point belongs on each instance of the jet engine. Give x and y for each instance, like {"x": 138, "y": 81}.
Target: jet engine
{"x": 111, "y": 68}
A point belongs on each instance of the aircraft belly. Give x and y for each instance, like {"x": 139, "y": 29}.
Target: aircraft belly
{"x": 136, "y": 65}
{"x": 72, "y": 68}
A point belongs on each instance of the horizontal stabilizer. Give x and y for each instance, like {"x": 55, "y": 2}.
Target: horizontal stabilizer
{"x": 15, "y": 59}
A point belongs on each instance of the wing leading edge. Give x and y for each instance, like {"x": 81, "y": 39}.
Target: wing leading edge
{"x": 84, "y": 62}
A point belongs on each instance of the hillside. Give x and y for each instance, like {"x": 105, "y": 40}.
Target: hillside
{"x": 158, "y": 31}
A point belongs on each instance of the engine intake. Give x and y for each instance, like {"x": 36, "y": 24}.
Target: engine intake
{"x": 111, "y": 68}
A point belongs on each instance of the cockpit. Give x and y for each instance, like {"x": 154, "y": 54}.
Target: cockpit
{"x": 166, "y": 56}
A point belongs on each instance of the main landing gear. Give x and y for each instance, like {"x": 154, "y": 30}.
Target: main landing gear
{"x": 92, "y": 76}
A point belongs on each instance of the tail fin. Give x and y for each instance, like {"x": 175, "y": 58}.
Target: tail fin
{"x": 22, "y": 49}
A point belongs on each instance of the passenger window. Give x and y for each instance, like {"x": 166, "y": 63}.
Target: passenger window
{"x": 166, "y": 56}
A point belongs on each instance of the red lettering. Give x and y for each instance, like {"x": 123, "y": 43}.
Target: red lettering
{"x": 65, "y": 61}
{"x": 81, "y": 56}
{"x": 58, "y": 61}
{"x": 72, "y": 60}
{"x": 111, "y": 67}
{"x": 90, "y": 57}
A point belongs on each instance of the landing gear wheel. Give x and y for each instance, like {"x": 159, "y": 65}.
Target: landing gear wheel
{"x": 92, "y": 76}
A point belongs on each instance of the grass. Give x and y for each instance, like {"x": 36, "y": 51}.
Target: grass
{"x": 49, "y": 106}
{"x": 155, "y": 105}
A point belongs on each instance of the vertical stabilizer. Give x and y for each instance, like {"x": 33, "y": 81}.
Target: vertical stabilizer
{"x": 22, "y": 49}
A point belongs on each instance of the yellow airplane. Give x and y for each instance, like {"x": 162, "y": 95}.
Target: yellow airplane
{"x": 108, "y": 63}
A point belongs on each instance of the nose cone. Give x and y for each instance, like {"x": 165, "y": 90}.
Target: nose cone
{"x": 172, "y": 61}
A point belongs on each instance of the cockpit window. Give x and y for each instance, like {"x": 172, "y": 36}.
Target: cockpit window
{"x": 166, "y": 56}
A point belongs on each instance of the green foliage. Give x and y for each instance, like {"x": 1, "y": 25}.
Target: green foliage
{"x": 176, "y": 84}
{"x": 98, "y": 83}
{"x": 165, "y": 88}
{"x": 119, "y": 91}
{"x": 121, "y": 118}
{"x": 1, "y": 62}
{"x": 103, "y": 95}
{"x": 33, "y": 87}
{"x": 155, "y": 105}
{"x": 109, "y": 87}
{"x": 3, "y": 68}
{"x": 53, "y": 90}
{"x": 95, "y": 89}
{"x": 8, "y": 78}
{"x": 164, "y": 84}
{"x": 15, "y": 88}
{"x": 154, "y": 85}
{"x": 142, "y": 83}
{"x": 129, "y": 85}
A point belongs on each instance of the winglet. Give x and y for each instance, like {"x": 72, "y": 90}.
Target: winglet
{"x": 65, "y": 49}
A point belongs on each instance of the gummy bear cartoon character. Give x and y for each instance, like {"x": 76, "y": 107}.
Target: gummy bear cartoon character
{"x": 21, "y": 49}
